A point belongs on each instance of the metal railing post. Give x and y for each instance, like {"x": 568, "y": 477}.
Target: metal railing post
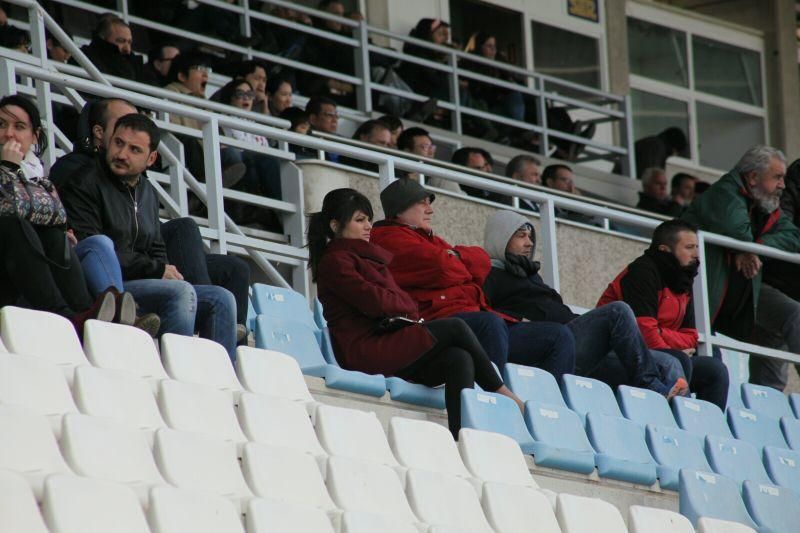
{"x": 212, "y": 159}
{"x": 8, "y": 78}
{"x": 702, "y": 315}
{"x": 294, "y": 224}
{"x": 246, "y": 26}
{"x": 386, "y": 173}
{"x": 43, "y": 98}
{"x": 363, "y": 71}
{"x": 626, "y": 137}
{"x": 547, "y": 229}
{"x": 177, "y": 185}
{"x": 455, "y": 93}
{"x": 122, "y": 7}
{"x": 544, "y": 141}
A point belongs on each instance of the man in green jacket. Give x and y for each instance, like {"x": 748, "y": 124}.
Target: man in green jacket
{"x": 745, "y": 205}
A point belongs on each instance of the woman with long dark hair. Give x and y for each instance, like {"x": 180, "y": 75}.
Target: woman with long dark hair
{"x": 374, "y": 324}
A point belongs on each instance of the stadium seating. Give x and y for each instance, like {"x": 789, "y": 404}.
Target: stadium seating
{"x": 783, "y": 467}
{"x": 264, "y": 516}
{"x": 443, "y": 500}
{"x": 401, "y": 390}
{"x": 261, "y": 416}
{"x": 585, "y": 395}
{"x": 532, "y": 384}
{"x": 578, "y": 514}
{"x": 493, "y": 457}
{"x": 790, "y": 427}
{"x": 425, "y": 446}
{"x": 368, "y": 522}
{"x": 174, "y": 509}
{"x": 700, "y": 417}
{"x": 711, "y": 496}
{"x": 774, "y": 509}
{"x": 559, "y": 438}
{"x": 199, "y": 361}
{"x": 674, "y": 449}
{"x": 279, "y": 302}
{"x": 765, "y": 400}
{"x": 353, "y": 433}
{"x": 19, "y": 512}
{"x": 736, "y": 459}
{"x": 645, "y": 406}
{"x": 713, "y": 525}
{"x": 21, "y": 331}
{"x": 118, "y": 347}
{"x": 271, "y": 373}
{"x": 510, "y": 509}
{"x": 794, "y": 401}
{"x": 621, "y": 450}
{"x": 648, "y": 520}
{"x": 755, "y": 428}
{"x": 494, "y": 412}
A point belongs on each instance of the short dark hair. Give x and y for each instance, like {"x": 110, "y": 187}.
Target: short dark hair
{"x": 679, "y": 178}
{"x": 518, "y": 162}
{"x": 27, "y": 105}
{"x": 550, "y": 171}
{"x": 667, "y": 232}
{"x": 143, "y": 123}
{"x": 157, "y": 53}
{"x": 183, "y": 63}
{"x": 366, "y": 128}
{"x": 248, "y": 67}
{"x": 98, "y": 111}
{"x": 461, "y": 156}
{"x": 392, "y": 121}
{"x": 274, "y": 83}
{"x": 315, "y": 103}
{"x": 106, "y": 22}
{"x": 295, "y": 115}
{"x": 406, "y": 139}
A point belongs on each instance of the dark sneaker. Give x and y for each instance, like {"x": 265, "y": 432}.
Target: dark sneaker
{"x": 241, "y": 332}
{"x": 149, "y": 323}
{"x": 233, "y": 174}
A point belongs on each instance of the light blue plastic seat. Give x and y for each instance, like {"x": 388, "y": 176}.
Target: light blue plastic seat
{"x": 559, "y": 438}
{"x": 279, "y": 302}
{"x": 401, "y": 390}
{"x": 790, "y": 427}
{"x": 758, "y": 429}
{"x": 319, "y": 316}
{"x": 674, "y": 449}
{"x": 794, "y": 401}
{"x": 251, "y": 315}
{"x": 645, "y": 407}
{"x": 774, "y": 509}
{"x": 783, "y": 467}
{"x": 620, "y": 449}
{"x": 736, "y": 459}
{"x": 765, "y": 400}
{"x": 297, "y": 339}
{"x": 734, "y": 395}
{"x": 703, "y": 494}
{"x": 488, "y": 411}
{"x": 532, "y": 384}
{"x": 587, "y": 395}
{"x": 700, "y": 417}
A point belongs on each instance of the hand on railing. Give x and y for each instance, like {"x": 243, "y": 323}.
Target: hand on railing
{"x": 748, "y": 264}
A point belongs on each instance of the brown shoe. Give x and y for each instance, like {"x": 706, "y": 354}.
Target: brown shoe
{"x": 150, "y": 323}
{"x": 241, "y": 332}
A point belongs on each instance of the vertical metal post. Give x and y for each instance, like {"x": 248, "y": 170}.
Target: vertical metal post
{"x": 122, "y": 7}
{"x": 177, "y": 185}
{"x": 294, "y": 224}
{"x": 43, "y": 96}
{"x": 213, "y": 168}
{"x": 245, "y": 25}
{"x": 547, "y": 229}
{"x": 455, "y": 93}
{"x": 626, "y": 137}
{"x": 363, "y": 71}
{"x": 544, "y": 141}
{"x": 386, "y": 173}
{"x": 8, "y": 79}
{"x": 702, "y": 315}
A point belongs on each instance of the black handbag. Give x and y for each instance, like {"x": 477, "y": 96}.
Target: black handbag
{"x": 395, "y": 323}
{"x": 34, "y": 200}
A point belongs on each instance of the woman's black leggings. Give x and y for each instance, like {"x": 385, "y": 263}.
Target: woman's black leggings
{"x": 458, "y": 361}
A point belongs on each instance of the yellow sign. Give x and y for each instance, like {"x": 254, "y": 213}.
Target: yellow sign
{"x": 585, "y": 9}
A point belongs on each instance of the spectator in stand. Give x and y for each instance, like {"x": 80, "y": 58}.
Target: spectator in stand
{"x": 323, "y": 116}
{"x": 654, "y": 196}
{"x": 478, "y": 159}
{"x": 499, "y": 100}
{"x": 654, "y": 151}
{"x": 608, "y": 345}
{"x": 159, "y": 62}
{"x": 360, "y": 297}
{"x": 374, "y": 132}
{"x": 98, "y": 201}
{"x": 64, "y": 115}
{"x": 700, "y": 187}
{"x": 16, "y": 39}
{"x": 255, "y": 73}
{"x": 525, "y": 168}
{"x": 446, "y": 282}
{"x": 300, "y": 124}
{"x": 279, "y": 95}
{"x": 111, "y": 51}
{"x": 561, "y": 178}
{"x": 682, "y": 189}
{"x": 395, "y": 126}
{"x": 658, "y": 287}
{"x": 55, "y": 50}
{"x": 745, "y": 205}
{"x": 418, "y": 142}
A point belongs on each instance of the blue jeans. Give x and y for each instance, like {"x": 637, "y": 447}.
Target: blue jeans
{"x": 99, "y": 263}
{"x": 546, "y": 345}
{"x": 610, "y": 347}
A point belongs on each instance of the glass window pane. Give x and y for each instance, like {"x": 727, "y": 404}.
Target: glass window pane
{"x": 566, "y": 55}
{"x": 727, "y": 71}
{"x": 657, "y": 52}
{"x": 724, "y": 135}
{"x": 652, "y": 114}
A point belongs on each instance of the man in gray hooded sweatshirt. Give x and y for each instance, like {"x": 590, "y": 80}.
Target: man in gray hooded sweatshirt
{"x": 608, "y": 344}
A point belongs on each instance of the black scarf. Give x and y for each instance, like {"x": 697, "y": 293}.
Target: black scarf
{"x": 521, "y": 266}
{"x": 679, "y": 279}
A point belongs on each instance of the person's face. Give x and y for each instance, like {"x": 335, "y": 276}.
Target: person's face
{"x": 771, "y": 182}
{"x": 196, "y": 80}
{"x": 420, "y": 215}
{"x": 327, "y": 120}
{"x": 302, "y": 128}
{"x": 129, "y": 154}
{"x": 335, "y": 8}
{"x": 685, "y": 190}
{"x": 168, "y": 53}
{"x": 489, "y": 48}
{"x": 121, "y": 37}
{"x": 258, "y": 80}
{"x": 394, "y": 134}
{"x": 282, "y": 98}
{"x": 562, "y": 181}
{"x": 56, "y": 52}
{"x": 379, "y": 137}
{"x": 685, "y": 249}
{"x": 530, "y": 174}
{"x": 115, "y": 110}
{"x": 424, "y": 146}
{"x": 520, "y": 243}
{"x": 657, "y": 187}
{"x": 440, "y": 35}
{"x": 476, "y": 161}
{"x": 15, "y": 125}
{"x": 243, "y": 97}
{"x": 358, "y": 227}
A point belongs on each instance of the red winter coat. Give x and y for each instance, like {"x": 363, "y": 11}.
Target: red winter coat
{"x": 357, "y": 290}
{"x": 443, "y": 279}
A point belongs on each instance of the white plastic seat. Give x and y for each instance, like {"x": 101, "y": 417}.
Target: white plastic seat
{"x": 578, "y": 514}
{"x": 649, "y": 520}
{"x": 174, "y": 510}
{"x": 353, "y": 433}
{"x": 513, "y": 509}
{"x": 19, "y": 512}
{"x": 271, "y": 373}
{"x": 714, "y": 525}
{"x": 285, "y": 475}
{"x": 426, "y": 446}
{"x": 3, "y": 348}
{"x": 35, "y": 384}
{"x": 41, "y": 334}
{"x": 444, "y": 500}
{"x": 367, "y": 487}
{"x": 119, "y": 347}
{"x": 79, "y": 505}
{"x": 199, "y": 361}
{"x": 353, "y": 522}
{"x": 264, "y": 516}
{"x": 494, "y": 457}
{"x": 119, "y": 395}
{"x": 104, "y": 449}
{"x": 200, "y": 462}
{"x": 278, "y": 422}
{"x": 28, "y": 447}
{"x": 191, "y": 407}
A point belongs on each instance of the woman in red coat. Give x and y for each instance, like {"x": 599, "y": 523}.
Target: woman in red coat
{"x": 359, "y": 296}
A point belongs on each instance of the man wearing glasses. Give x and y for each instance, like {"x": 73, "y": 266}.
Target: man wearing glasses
{"x": 323, "y": 117}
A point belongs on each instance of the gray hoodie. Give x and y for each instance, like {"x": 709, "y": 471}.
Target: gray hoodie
{"x": 499, "y": 229}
